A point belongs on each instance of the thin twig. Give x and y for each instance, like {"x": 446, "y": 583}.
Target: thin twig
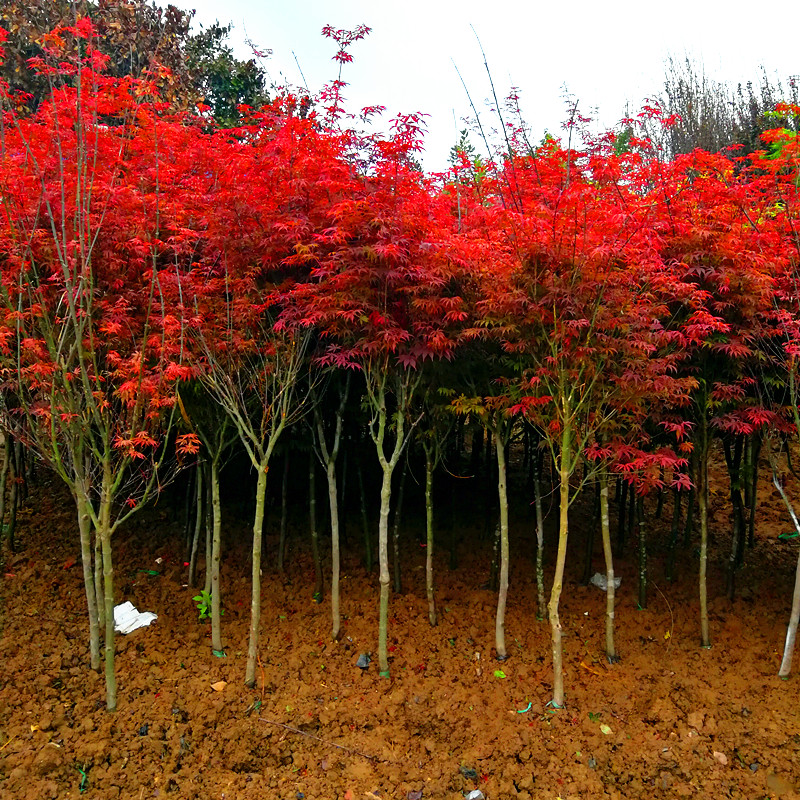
{"x": 319, "y": 739}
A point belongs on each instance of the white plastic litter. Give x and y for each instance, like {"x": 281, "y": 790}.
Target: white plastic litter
{"x": 127, "y": 619}
{"x": 601, "y": 582}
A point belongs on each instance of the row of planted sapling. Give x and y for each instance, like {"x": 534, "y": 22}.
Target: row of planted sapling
{"x": 617, "y": 310}
{"x": 597, "y": 499}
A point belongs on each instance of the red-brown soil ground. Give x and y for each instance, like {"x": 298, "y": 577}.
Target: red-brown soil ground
{"x": 681, "y": 721}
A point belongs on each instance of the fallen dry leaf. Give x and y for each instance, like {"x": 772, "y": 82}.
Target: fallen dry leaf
{"x": 219, "y": 686}
{"x": 721, "y": 758}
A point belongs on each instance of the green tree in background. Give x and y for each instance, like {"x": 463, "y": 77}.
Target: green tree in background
{"x": 137, "y": 36}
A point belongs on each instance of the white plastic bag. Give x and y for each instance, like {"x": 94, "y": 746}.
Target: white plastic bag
{"x": 601, "y": 582}
{"x": 127, "y": 619}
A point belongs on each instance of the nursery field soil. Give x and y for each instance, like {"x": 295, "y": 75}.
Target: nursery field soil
{"x": 669, "y": 720}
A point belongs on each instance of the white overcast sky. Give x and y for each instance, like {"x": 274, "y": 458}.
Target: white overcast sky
{"x": 605, "y": 54}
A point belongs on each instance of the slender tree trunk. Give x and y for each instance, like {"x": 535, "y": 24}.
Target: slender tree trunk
{"x": 335, "y": 554}
{"x": 621, "y": 517}
{"x": 755, "y": 442}
{"x": 85, "y": 531}
{"x": 452, "y": 563}
{"x": 476, "y": 453}
{"x": 365, "y": 521}
{"x": 502, "y": 595}
{"x": 342, "y": 498}
{"x": 673, "y": 535}
{"x": 188, "y": 527}
{"x": 590, "y": 534}
{"x": 541, "y": 605}
{"x": 98, "y": 580}
{"x": 564, "y": 459}
{"x": 284, "y": 513}
{"x": 198, "y": 524}
{"x": 383, "y": 562}
{"x": 319, "y": 588}
{"x": 640, "y": 521}
{"x": 329, "y": 456}
{"x": 108, "y": 599}
{"x": 688, "y": 528}
{"x": 494, "y": 570}
{"x": 489, "y": 509}
{"x": 104, "y": 534}
{"x": 791, "y": 631}
{"x": 429, "y": 587}
{"x": 216, "y": 548}
{"x": 702, "y": 498}
{"x": 632, "y": 515}
{"x": 20, "y": 454}
{"x": 733, "y": 460}
{"x": 398, "y": 581}
{"x": 605, "y": 533}
{"x": 13, "y": 500}
{"x": 660, "y": 501}
{"x": 4, "y": 469}
{"x": 209, "y": 522}
{"x": 255, "y": 597}
{"x": 794, "y": 617}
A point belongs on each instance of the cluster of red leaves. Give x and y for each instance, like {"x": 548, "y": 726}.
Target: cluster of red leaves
{"x": 616, "y": 287}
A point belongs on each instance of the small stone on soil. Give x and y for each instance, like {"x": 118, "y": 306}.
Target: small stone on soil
{"x": 363, "y": 661}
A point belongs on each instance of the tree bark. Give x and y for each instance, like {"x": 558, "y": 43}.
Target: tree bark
{"x": 753, "y": 460}
{"x": 85, "y": 531}
{"x": 383, "y": 563}
{"x": 255, "y": 597}
{"x": 319, "y": 588}
{"x": 365, "y": 520}
{"x": 429, "y": 586}
{"x": 564, "y": 458}
{"x": 329, "y": 456}
{"x": 284, "y": 513}
{"x": 541, "y": 606}
{"x": 640, "y": 521}
{"x": 794, "y": 617}
{"x": 398, "y": 575}
{"x": 733, "y": 460}
{"x": 13, "y": 499}
{"x": 673, "y": 536}
{"x": 502, "y": 594}
{"x": 198, "y": 525}
{"x": 605, "y": 532}
{"x": 791, "y": 631}
{"x": 335, "y": 554}
{"x": 104, "y": 534}
{"x": 6, "y": 453}
{"x": 216, "y": 548}
{"x": 702, "y": 500}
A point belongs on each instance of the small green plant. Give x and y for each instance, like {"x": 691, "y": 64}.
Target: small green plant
{"x": 203, "y": 601}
